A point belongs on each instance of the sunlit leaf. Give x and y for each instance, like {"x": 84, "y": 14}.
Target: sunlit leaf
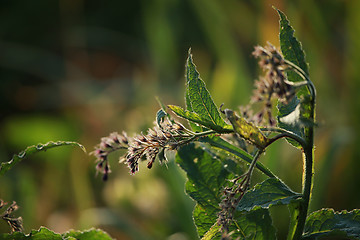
{"x": 294, "y": 115}
{"x": 328, "y": 223}
{"x": 247, "y": 130}
{"x": 212, "y": 233}
{"x": 270, "y": 192}
{"x": 194, "y": 117}
{"x": 6, "y": 166}
{"x": 198, "y": 98}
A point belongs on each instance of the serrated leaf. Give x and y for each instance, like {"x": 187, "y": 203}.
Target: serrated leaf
{"x": 6, "y": 166}
{"x": 46, "y": 234}
{"x": 291, "y": 47}
{"x": 198, "y": 98}
{"x": 270, "y": 192}
{"x": 206, "y": 179}
{"x": 254, "y": 225}
{"x": 327, "y": 222}
{"x": 292, "y": 115}
{"x": 195, "y": 127}
{"x": 194, "y": 117}
{"x": 246, "y": 130}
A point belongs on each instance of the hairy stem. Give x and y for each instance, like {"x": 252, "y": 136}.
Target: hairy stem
{"x": 308, "y": 171}
{"x": 283, "y": 134}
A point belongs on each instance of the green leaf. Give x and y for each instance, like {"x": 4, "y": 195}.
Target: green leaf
{"x": 6, "y": 166}
{"x": 206, "y": 179}
{"x": 294, "y": 210}
{"x": 160, "y": 117}
{"x": 230, "y": 163}
{"x": 291, "y": 47}
{"x": 198, "y": 98}
{"x": 195, "y": 127}
{"x": 254, "y": 225}
{"x": 270, "y": 192}
{"x": 246, "y": 130}
{"x": 214, "y": 230}
{"x": 194, "y": 117}
{"x": 205, "y": 219}
{"x": 327, "y": 222}
{"x": 294, "y": 115}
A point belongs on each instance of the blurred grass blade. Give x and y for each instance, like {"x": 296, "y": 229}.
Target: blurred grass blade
{"x": 198, "y": 98}
{"x": 328, "y": 223}
{"x": 44, "y": 233}
{"x": 6, "y": 166}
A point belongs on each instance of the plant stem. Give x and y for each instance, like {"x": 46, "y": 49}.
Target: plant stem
{"x": 308, "y": 172}
{"x": 283, "y": 134}
{"x": 239, "y": 153}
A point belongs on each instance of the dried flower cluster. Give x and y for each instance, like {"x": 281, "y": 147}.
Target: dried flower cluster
{"x": 230, "y": 199}
{"x": 167, "y": 135}
{"x": 113, "y": 142}
{"x": 273, "y": 85}
{"x": 16, "y": 224}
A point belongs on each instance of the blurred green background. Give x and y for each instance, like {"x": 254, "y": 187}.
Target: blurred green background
{"x": 79, "y": 70}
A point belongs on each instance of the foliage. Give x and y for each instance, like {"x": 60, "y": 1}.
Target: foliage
{"x": 228, "y": 205}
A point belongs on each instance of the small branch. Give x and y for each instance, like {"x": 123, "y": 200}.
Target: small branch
{"x": 252, "y": 166}
{"x": 283, "y": 134}
{"x": 304, "y": 76}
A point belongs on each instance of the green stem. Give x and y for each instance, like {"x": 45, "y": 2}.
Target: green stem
{"x": 296, "y": 230}
{"x": 304, "y": 76}
{"x": 241, "y": 154}
{"x": 252, "y": 166}
{"x": 283, "y": 134}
